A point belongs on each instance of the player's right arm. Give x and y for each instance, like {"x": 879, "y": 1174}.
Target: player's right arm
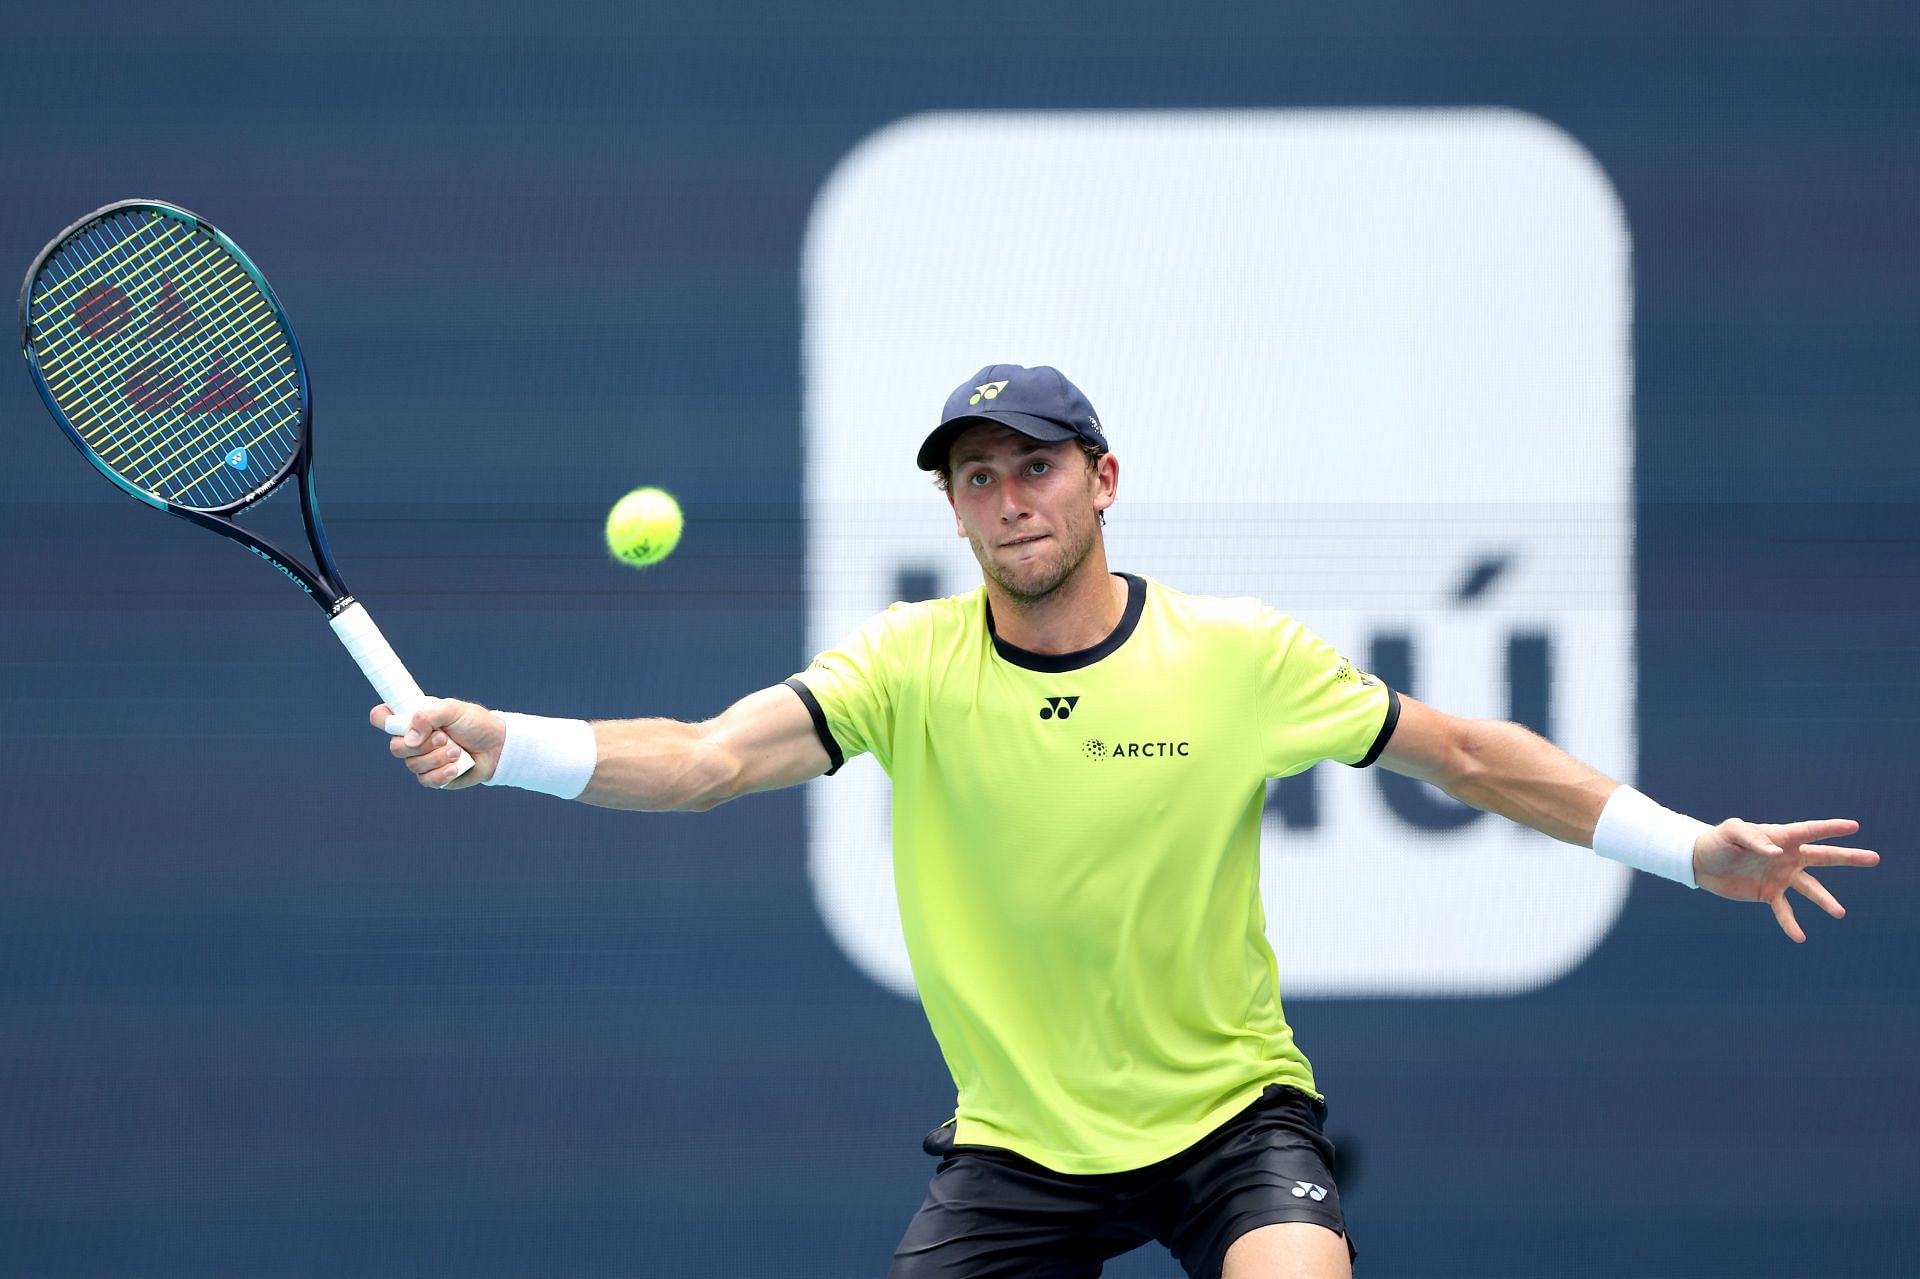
{"x": 764, "y": 741}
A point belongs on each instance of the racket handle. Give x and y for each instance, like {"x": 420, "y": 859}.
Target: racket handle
{"x": 383, "y": 667}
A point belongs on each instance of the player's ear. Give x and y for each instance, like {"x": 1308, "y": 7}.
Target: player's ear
{"x": 1106, "y": 481}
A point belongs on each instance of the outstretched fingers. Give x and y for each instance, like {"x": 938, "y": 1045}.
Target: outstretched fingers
{"x": 1783, "y": 913}
{"x": 1828, "y": 855}
{"x": 1814, "y": 891}
{"x": 1823, "y": 828}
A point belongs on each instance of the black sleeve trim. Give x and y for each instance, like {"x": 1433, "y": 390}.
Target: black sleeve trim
{"x": 1386, "y": 729}
{"x": 826, "y": 734}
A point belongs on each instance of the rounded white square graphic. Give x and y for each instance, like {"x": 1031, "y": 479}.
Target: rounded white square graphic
{"x": 1371, "y": 367}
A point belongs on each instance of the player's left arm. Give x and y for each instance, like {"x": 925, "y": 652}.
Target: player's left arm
{"x": 1506, "y": 769}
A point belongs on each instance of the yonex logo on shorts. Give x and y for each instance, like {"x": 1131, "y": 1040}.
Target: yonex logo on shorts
{"x": 1307, "y": 1190}
{"x": 1058, "y": 707}
{"x": 987, "y": 391}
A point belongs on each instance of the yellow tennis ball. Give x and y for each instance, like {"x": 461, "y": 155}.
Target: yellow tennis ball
{"x": 643, "y": 526}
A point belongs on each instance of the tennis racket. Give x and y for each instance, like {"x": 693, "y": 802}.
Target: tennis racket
{"x": 167, "y": 360}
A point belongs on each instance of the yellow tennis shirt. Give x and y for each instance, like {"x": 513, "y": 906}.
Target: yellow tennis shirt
{"x": 1076, "y": 847}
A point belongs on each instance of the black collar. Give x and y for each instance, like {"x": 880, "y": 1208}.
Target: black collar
{"x": 1053, "y": 663}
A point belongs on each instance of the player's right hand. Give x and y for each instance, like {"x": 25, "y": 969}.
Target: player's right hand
{"x": 431, "y": 741}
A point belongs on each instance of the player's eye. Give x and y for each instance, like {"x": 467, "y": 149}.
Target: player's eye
{"x": 975, "y": 477}
{"x": 1041, "y": 468}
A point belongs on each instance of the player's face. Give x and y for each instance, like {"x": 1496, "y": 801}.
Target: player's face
{"x": 1028, "y": 509}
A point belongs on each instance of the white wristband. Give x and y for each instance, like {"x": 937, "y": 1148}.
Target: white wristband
{"x": 552, "y": 756}
{"x": 1639, "y": 833}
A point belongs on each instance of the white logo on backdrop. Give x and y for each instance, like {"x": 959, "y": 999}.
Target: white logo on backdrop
{"x": 1371, "y": 367}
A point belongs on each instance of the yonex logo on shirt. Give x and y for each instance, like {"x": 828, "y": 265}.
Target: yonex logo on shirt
{"x": 1058, "y": 708}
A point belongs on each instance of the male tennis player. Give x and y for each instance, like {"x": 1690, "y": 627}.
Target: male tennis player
{"x": 1079, "y": 762}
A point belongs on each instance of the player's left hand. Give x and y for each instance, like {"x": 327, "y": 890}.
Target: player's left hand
{"x": 1758, "y": 862}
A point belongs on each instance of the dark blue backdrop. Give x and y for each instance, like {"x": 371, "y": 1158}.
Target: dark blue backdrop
{"x": 268, "y": 1009}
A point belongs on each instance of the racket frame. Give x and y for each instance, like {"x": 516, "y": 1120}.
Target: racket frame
{"x": 348, "y": 618}
{"x": 323, "y": 586}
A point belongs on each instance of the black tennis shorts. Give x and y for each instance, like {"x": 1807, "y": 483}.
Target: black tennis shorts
{"x": 991, "y": 1214}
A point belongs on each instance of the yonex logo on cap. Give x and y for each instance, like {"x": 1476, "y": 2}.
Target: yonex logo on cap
{"x": 988, "y": 391}
{"x": 1058, "y": 707}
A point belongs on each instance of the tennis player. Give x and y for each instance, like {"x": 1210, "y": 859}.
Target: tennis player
{"x": 1079, "y": 762}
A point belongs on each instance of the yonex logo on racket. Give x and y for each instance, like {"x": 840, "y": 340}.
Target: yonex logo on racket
{"x": 285, "y": 572}
{"x": 165, "y": 356}
{"x": 106, "y": 313}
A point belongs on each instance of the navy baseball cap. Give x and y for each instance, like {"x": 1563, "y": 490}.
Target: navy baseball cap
{"x": 1037, "y": 402}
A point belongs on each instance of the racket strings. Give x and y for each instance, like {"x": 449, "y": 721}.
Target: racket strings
{"x": 150, "y": 379}
{"x": 169, "y": 360}
{"x": 151, "y": 453}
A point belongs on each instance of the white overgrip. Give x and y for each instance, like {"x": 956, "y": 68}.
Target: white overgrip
{"x": 383, "y": 667}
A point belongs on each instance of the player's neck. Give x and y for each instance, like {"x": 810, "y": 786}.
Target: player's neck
{"x": 1078, "y": 615}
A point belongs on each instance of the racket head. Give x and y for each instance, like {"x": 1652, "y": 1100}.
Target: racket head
{"x": 164, "y": 355}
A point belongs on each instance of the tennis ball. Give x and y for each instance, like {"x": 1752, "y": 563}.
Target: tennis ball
{"x": 643, "y": 527}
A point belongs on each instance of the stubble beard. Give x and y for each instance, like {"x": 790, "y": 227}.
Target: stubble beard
{"x": 1028, "y": 584}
